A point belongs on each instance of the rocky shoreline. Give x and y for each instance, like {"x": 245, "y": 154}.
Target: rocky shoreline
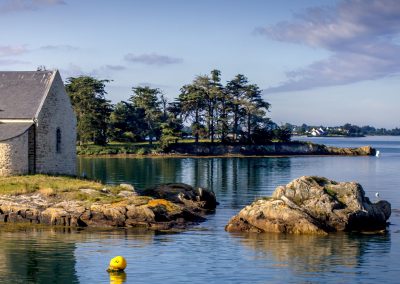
{"x": 307, "y": 205}
{"x": 165, "y": 207}
{"x": 313, "y": 205}
{"x": 206, "y": 149}
{"x": 273, "y": 149}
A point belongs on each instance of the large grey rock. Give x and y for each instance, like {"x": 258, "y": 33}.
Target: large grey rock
{"x": 313, "y": 205}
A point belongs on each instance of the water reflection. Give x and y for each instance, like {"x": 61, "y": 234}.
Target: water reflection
{"x": 117, "y": 277}
{"x": 237, "y": 179}
{"x": 33, "y": 255}
{"x": 308, "y": 254}
{"x": 213, "y": 256}
{"x": 58, "y": 255}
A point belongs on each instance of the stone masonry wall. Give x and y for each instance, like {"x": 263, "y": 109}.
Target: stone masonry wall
{"x": 56, "y": 113}
{"x": 14, "y": 156}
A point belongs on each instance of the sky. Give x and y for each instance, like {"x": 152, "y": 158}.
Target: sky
{"x": 319, "y": 62}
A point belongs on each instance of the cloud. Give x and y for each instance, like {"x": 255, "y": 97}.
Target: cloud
{"x": 8, "y": 50}
{"x": 152, "y": 59}
{"x": 360, "y": 34}
{"x": 12, "y": 62}
{"x": 153, "y": 85}
{"x": 74, "y": 70}
{"x": 114, "y": 67}
{"x": 63, "y": 47}
{"x": 27, "y": 5}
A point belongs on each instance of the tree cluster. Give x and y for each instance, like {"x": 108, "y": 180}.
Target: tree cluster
{"x": 207, "y": 109}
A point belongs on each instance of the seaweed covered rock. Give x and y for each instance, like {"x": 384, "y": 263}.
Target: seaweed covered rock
{"x": 194, "y": 198}
{"x": 313, "y": 205}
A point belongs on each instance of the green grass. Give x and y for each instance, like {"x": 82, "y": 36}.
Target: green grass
{"x": 59, "y": 188}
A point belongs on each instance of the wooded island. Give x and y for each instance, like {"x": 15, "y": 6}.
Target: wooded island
{"x": 234, "y": 113}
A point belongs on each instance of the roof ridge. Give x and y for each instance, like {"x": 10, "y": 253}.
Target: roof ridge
{"x": 46, "y": 93}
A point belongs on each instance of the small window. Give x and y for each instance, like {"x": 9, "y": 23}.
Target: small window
{"x": 58, "y": 140}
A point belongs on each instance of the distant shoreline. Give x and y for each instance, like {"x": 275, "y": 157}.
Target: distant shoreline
{"x": 199, "y": 150}
{"x": 337, "y": 136}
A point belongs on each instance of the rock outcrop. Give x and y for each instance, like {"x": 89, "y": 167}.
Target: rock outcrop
{"x": 194, "y": 198}
{"x": 164, "y": 207}
{"x": 313, "y": 205}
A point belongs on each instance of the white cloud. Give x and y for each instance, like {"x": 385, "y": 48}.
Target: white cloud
{"x": 5, "y": 62}
{"x": 114, "y": 67}
{"x": 152, "y": 59}
{"x": 10, "y": 6}
{"x": 9, "y": 50}
{"x": 63, "y": 47}
{"x": 360, "y": 34}
{"x": 74, "y": 70}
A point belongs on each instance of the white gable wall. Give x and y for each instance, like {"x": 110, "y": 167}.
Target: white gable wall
{"x": 56, "y": 112}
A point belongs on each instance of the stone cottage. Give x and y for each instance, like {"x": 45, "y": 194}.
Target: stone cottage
{"x": 37, "y": 124}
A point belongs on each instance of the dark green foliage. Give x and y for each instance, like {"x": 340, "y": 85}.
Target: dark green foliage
{"x": 192, "y": 104}
{"x": 170, "y": 134}
{"x": 146, "y": 102}
{"x": 91, "y": 107}
{"x": 262, "y": 136}
{"x": 235, "y": 90}
{"x": 282, "y": 134}
{"x": 123, "y": 123}
{"x": 171, "y": 128}
{"x": 234, "y": 113}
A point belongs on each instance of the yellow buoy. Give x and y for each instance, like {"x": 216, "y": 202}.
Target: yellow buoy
{"x": 117, "y": 263}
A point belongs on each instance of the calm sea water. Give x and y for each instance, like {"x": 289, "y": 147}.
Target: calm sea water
{"x": 206, "y": 253}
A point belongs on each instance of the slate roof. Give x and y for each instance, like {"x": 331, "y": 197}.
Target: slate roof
{"x": 21, "y": 93}
{"x": 11, "y": 130}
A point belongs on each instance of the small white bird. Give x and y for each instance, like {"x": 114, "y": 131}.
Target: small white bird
{"x": 377, "y": 195}
{"x": 377, "y": 153}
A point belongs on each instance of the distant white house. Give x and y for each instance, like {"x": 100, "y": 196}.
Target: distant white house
{"x": 37, "y": 124}
{"x": 317, "y": 132}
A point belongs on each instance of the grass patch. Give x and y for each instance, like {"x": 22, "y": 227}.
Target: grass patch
{"x": 32, "y": 183}
{"x": 60, "y": 188}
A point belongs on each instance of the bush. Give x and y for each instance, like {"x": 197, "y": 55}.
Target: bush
{"x": 141, "y": 151}
{"x": 283, "y": 134}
